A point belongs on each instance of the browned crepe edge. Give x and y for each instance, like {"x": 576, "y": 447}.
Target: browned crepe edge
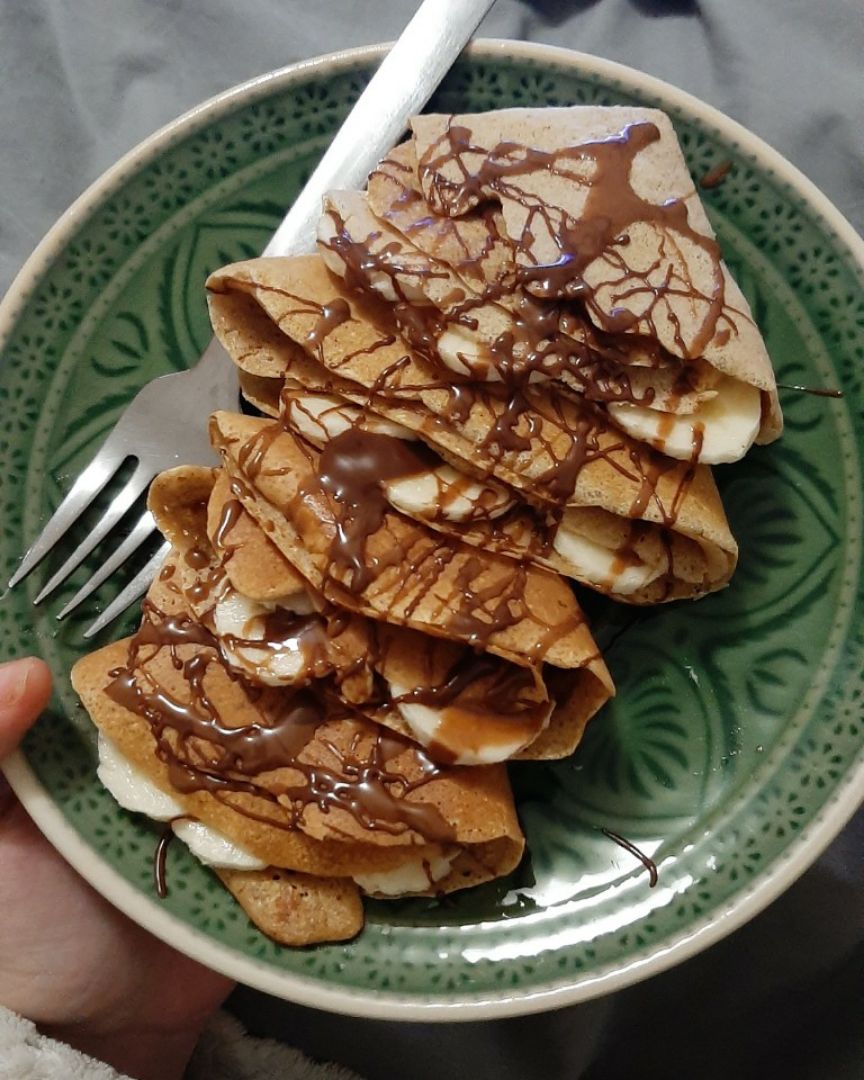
{"x": 296, "y": 909}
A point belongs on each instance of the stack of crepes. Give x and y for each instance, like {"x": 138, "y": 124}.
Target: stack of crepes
{"x": 464, "y": 394}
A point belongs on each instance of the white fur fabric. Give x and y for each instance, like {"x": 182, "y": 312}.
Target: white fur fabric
{"x": 225, "y": 1052}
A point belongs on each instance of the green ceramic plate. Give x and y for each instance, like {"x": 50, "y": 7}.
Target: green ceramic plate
{"x": 735, "y": 748}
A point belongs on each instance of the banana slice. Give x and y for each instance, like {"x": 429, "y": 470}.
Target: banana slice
{"x": 136, "y": 792}
{"x": 321, "y": 417}
{"x": 445, "y": 493}
{"x": 599, "y": 565}
{"x": 412, "y": 877}
{"x": 213, "y": 848}
{"x": 464, "y": 354}
{"x": 472, "y": 743}
{"x": 275, "y": 662}
{"x": 130, "y": 787}
{"x": 721, "y": 429}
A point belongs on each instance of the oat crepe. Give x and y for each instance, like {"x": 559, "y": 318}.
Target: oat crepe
{"x": 414, "y": 579}
{"x": 296, "y": 909}
{"x": 468, "y": 724}
{"x": 616, "y": 555}
{"x": 553, "y": 451}
{"x": 482, "y": 709}
{"x": 386, "y": 566}
{"x": 490, "y": 333}
{"x": 303, "y": 786}
{"x": 592, "y": 211}
{"x": 266, "y": 621}
{"x": 293, "y": 908}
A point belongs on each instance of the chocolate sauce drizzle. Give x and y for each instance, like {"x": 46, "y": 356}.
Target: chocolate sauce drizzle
{"x": 816, "y": 391}
{"x": 715, "y": 176}
{"x": 630, "y": 847}
{"x": 610, "y": 209}
{"x": 204, "y": 753}
{"x": 350, "y": 474}
{"x": 504, "y": 693}
{"x": 481, "y": 693}
{"x": 232, "y": 511}
{"x": 543, "y": 338}
{"x": 353, "y": 469}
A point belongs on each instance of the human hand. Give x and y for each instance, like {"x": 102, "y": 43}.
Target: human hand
{"x": 71, "y": 962}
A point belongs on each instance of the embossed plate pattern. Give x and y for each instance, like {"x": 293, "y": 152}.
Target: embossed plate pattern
{"x": 735, "y": 748}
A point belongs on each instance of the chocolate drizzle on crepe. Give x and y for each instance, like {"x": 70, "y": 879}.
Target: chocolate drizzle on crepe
{"x": 231, "y": 513}
{"x": 504, "y": 685}
{"x": 611, "y": 208}
{"x": 343, "y": 486}
{"x": 549, "y": 305}
{"x": 542, "y": 339}
{"x": 482, "y": 689}
{"x": 352, "y": 469}
{"x": 504, "y": 698}
{"x": 204, "y": 753}
{"x": 520, "y": 423}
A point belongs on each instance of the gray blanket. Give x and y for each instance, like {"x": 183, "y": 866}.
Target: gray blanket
{"x": 84, "y": 81}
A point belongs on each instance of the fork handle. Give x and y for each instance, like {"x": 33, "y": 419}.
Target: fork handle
{"x": 400, "y": 87}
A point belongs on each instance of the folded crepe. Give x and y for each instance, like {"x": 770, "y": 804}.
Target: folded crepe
{"x": 463, "y": 707}
{"x": 607, "y": 510}
{"x": 582, "y": 227}
{"x": 288, "y": 776}
{"x": 327, "y": 515}
{"x": 296, "y": 909}
{"x": 266, "y": 620}
{"x": 613, "y": 554}
{"x": 495, "y": 334}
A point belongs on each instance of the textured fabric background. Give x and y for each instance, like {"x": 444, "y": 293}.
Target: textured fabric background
{"x": 82, "y": 81}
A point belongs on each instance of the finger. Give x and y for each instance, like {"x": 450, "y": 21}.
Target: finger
{"x": 25, "y": 686}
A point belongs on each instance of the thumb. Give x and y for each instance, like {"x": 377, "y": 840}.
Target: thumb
{"x": 25, "y": 686}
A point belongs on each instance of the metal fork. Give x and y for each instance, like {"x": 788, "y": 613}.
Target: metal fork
{"x": 165, "y": 423}
{"x": 160, "y": 428}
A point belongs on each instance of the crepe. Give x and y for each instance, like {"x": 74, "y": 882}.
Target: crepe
{"x": 492, "y": 604}
{"x": 496, "y": 332}
{"x": 268, "y": 623}
{"x": 586, "y": 219}
{"x": 613, "y": 554}
{"x": 357, "y": 553}
{"x": 561, "y": 456}
{"x": 296, "y": 909}
{"x": 462, "y": 706}
{"x": 297, "y": 782}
